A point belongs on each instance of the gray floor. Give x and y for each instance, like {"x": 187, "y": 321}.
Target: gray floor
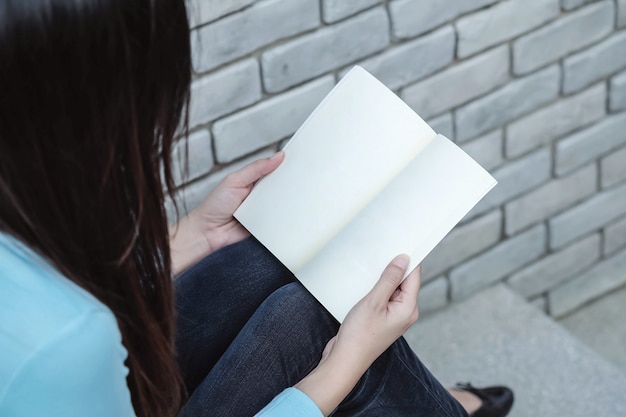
{"x": 602, "y": 326}
{"x": 497, "y": 337}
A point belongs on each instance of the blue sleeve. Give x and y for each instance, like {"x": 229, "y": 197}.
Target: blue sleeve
{"x": 291, "y": 403}
{"x": 78, "y": 372}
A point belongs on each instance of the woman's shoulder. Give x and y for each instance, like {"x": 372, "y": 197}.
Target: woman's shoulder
{"x": 45, "y": 314}
{"x": 34, "y": 294}
{"x": 24, "y": 272}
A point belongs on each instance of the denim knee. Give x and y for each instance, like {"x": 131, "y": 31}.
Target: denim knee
{"x": 296, "y": 325}
{"x": 293, "y": 306}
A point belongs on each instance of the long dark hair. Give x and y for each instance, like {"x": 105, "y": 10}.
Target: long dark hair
{"x": 92, "y": 93}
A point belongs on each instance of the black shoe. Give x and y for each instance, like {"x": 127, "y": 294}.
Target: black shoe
{"x": 497, "y": 401}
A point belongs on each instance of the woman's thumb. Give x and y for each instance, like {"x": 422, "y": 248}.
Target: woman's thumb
{"x": 390, "y": 279}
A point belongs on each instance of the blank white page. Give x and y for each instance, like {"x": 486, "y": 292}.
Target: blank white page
{"x": 355, "y": 142}
{"x": 411, "y": 215}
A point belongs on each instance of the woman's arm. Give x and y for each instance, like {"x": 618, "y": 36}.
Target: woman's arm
{"x": 79, "y": 371}
{"x": 187, "y": 244}
{"x": 211, "y": 225}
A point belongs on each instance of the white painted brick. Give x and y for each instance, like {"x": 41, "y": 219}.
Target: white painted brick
{"x": 556, "y": 268}
{"x": 572, "y": 4}
{"x": 199, "y": 157}
{"x": 497, "y": 263}
{"x": 413, "y": 60}
{"x": 601, "y": 279}
{"x": 433, "y": 296}
{"x": 563, "y": 36}
{"x": 326, "y": 49}
{"x": 516, "y": 178}
{"x": 333, "y": 10}
{"x": 462, "y": 243}
{"x": 225, "y": 91}
{"x": 486, "y": 150}
{"x": 460, "y": 83}
{"x": 555, "y": 120}
{"x": 614, "y": 237}
{"x": 549, "y": 199}
{"x": 507, "y": 103}
{"x": 613, "y": 168}
{"x": 594, "y": 63}
{"x": 413, "y": 17}
{"x": 617, "y": 95}
{"x": 501, "y": 22}
{"x": 191, "y": 195}
{"x": 204, "y": 11}
{"x": 587, "y": 217}
{"x": 269, "y": 121}
{"x": 239, "y": 34}
{"x": 444, "y": 125}
{"x": 621, "y": 13}
{"x": 586, "y": 145}
{"x": 541, "y": 303}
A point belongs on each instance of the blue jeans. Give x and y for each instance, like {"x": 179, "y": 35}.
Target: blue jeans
{"x": 246, "y": 331}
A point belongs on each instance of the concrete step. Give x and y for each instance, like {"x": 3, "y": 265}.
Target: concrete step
{"x": 496, "y": 337}
{"x": 600, "y": 325}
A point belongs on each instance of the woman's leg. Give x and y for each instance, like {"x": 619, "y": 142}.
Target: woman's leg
{"x": 398, "y": 384}
{"x": 214, "y": 300}
{"x": 280, "y": 345}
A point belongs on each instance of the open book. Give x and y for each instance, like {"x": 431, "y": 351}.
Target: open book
{"x": 364, "y": 179}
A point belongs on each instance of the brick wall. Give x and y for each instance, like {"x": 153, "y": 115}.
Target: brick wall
{"x": 534, "y": 90}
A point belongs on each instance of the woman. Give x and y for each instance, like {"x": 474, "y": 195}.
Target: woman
{"x": 92, "y": 93}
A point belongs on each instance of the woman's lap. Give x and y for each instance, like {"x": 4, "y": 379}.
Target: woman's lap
{"x": 216, "y": 298}
{"x": 247, "y": 331}
{"x": 269, "y": 354}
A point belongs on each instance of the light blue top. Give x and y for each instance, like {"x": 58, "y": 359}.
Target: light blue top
{"x": 291, "y": 403}
{"x": 62, "y": 352}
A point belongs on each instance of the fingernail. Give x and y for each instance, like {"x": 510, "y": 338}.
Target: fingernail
{"x": 401, "y": 261}
{"x": 276, "y": 155}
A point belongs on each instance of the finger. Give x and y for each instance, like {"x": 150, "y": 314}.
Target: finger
{"x": 329, "y": 347}
{"x": 406, "y": 297}
{"x": 411, "y": 285}
{"x": 390, "y": 279}
{"x": 252, "y": 172}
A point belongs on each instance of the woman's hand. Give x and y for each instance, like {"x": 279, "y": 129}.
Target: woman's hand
{"x": 380, "y": 318}
{"x": 211, "y": 225}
